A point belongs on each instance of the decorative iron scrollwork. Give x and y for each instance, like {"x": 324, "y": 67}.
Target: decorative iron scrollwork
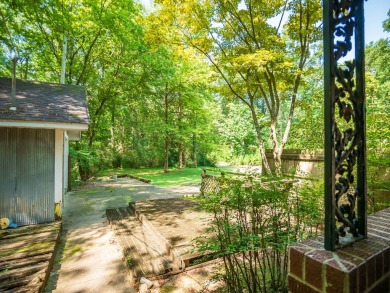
{"x": 346, "y": 134}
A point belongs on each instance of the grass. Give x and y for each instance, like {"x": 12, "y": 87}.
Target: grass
{"x": 188, "y": 176}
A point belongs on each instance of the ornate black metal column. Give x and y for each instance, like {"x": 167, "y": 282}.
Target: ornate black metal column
{"x": 345, "y": 137}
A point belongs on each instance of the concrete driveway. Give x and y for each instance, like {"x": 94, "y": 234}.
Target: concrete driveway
{"x": 89, "y": 259}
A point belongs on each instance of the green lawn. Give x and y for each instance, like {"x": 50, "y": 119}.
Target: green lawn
{"x": 188, "y": 176}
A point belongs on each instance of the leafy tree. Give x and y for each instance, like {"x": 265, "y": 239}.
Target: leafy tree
{"x": 103, "y": 41}
{"x": 378, "y": 91}
{"x": 261, "y": 64}
{"x": 182, "y": 88}
{"x": 378, "y": 109}
{"x": 386, "y": 23}
{"x": 237, "y": 130}
{"x": 308, "y": 130}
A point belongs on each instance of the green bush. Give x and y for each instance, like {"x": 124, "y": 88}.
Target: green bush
{"x": 117, "y": 161}
{"x": 85, "y": 161}
{"x": 253, "y": 224}
{"x": 190, "y": 164}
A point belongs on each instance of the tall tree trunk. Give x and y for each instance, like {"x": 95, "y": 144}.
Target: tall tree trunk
{"x": 278, "y": 148}
{"x": 112, "y": 132}
{"x": 166, "y": 159}
{"x": 63, "y": 59}
{"x": 275, "y": 147}
{"x": 290, "y": 116}
{"x": 180, "y": 161}
{"x": 180, "y": 145}
{"x": 194, "y": 156}
{"x": 26, "y": 69}
{"x": 267, "y": 169}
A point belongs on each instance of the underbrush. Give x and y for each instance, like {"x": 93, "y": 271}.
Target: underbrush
{"x": 253, "y": 224}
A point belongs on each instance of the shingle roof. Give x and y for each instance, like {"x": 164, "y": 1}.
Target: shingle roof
{"x": 40, "y": 101}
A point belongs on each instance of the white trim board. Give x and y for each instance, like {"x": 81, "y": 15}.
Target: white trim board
{"x": 58, "y": 165}
{"x": 43, "y": 125}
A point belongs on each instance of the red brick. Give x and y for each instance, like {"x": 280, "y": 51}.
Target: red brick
{"x": 313, "y": 272}
{"x": 335, "y": 277}
{"x": 380, "y": 214}
{"x": 366, "y": 263}
{"x": 314, "y": 243}
{"x": 349, "y": 258}
{"x": 357, "y": 253}
{"x": 368, "y": 248}
{"x": 301, "y": 247}
{"x": 385, "y": 213}
{"x": 346, "y": 265}
{"x": 353, "y": 281}
{"x": 371, "y": 271}
{"x": 384, "y": 237}
{"x": 382, "y": 287}
{"x": 378, "y": 219}
{"x": 377, "y": 225}
{"x": 296, "y": 262}
{"x": 379, "y": 266}
{"x": 386, "y": 260}
{"x": 362, "y": 277}
{"x": 320, "y": 255}
{"x": 372, "y": 245}
{"x": 295, "y": 286}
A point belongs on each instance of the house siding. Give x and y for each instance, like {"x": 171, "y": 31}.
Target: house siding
{"x": 27, "y": 175}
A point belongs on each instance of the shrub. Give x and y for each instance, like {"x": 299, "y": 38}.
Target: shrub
{"x": 190, "y": 164}
{"x": 253, "y": 224}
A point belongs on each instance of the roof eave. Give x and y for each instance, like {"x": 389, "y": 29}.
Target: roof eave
{"x": 43, "y": 124}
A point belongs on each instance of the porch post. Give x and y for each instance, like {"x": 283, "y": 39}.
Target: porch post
{"x": 345, "y": 138}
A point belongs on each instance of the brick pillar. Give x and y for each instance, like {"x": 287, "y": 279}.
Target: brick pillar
{"x": 361, "y": 267}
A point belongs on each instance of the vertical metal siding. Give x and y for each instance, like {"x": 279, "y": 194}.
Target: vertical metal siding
{"x": 7, "y": 172}
{"x": 27, "y": 175}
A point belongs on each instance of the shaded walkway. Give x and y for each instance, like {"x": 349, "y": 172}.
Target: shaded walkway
{"x": 89, "y": 259}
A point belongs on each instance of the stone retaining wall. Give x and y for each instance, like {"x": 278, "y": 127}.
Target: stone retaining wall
{"x": 300, "y": 162}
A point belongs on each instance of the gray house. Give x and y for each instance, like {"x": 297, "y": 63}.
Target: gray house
{"x": 34, "y": 146}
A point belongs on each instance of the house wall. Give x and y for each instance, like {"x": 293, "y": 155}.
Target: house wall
{"x": 27, "y": 162}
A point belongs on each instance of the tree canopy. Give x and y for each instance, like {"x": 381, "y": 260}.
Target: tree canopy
{"x": 258, "y": 62}
{"x": 190, "y": 81}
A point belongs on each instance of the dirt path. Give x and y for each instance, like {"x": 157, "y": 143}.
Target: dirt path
{"x": 89, "y": 259}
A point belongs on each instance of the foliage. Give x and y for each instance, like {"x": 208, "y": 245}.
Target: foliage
{"x": 236, "y": 129}
{"x": 192, "y": 82}
{"x": 83, "y": 158}
{"x": 377, "y": 93}
{"x": 259, "y": 64}
{"x": 127, "y": 70}
{"x": 308, "y": 130}
{"x": 309, "y": 117}
{"x": 378, "y": 130}
{"x": 253, "y": 225}
{"x": 386, "y": 23}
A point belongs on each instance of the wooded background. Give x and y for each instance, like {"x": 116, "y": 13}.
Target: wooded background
{"x": 191, "y": 81}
